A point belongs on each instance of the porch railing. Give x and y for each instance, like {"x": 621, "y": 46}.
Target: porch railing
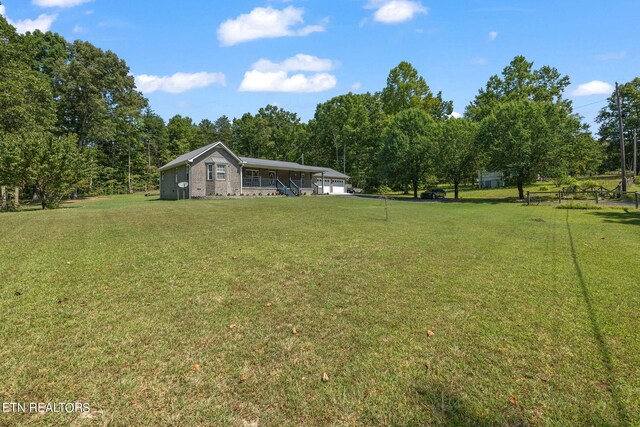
{"x": 258, "y": 182}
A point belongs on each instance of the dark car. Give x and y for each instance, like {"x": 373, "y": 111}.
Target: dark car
{"x": 434, "y": 193}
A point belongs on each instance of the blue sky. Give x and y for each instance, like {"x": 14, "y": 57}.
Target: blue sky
{"x": 204, "y": 59}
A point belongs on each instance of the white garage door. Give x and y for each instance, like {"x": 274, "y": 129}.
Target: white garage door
{"x": 326, "y": 189}
{"x": 338, "y": 186}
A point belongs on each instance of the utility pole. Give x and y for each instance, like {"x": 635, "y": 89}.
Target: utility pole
{"x": 635, "y": 154}
{"x": 623, "y": 184}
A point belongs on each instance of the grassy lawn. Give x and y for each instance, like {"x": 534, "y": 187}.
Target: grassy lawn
{"x": 229, "y": 313}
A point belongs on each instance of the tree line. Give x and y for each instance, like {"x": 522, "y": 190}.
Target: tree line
{"x": 72, "y": 121}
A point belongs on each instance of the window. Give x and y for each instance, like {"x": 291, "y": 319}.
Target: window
{"x": 221, "y": 172}
{"x": 209, "y": 172}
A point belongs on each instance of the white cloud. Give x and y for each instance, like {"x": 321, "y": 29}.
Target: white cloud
{"x": 59, "y": 3}
{"x": 42, "y": 22}
{"x": 300, "y": 62}
{"x": 493, "y": 35}
{"x": 268, "y": 76}
{"x": 611, "y": 56}
{"x": 455, "y": 115}
{"x": 179, "y": 82}
{"x": 356, "y": 86}
{"x": 266, "y": 22}
{"x": 479, "y": 61}
{"x": 594, "y": 87}
{"x": 395, "y": 11}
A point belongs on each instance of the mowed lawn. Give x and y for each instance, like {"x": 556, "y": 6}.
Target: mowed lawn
{"x": 201, "y": 313}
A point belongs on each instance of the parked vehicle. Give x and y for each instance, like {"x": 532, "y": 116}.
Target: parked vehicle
{"x": 434, "y": 193}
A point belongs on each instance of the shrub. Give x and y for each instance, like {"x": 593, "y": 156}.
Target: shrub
{"x": 565, "y": 181}
{"x": 383, "y": 189}
{"x": 588, "y": 183}
{"x": 543, "y": 188}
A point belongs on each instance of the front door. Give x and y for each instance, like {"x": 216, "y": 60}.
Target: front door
{"x": 272, "y": 178}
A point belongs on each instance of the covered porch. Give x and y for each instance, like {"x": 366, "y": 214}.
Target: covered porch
{"x": 260, "y": 175}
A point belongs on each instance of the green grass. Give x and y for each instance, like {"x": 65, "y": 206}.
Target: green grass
{"x": 114, "y": 302}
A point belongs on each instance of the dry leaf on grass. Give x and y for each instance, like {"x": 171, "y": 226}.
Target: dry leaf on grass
{"x": 430, "y": 333}
{"x": 243, "y": 378}
{"x": 325, "y": 377}
{"x": 197, "y": 367}
{"x": 294, "y": 331}
{"x": 512, "y": 400}
{"x": 231, "y": 326}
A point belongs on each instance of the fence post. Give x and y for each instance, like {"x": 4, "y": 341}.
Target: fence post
{"x": 559, "y": 197}
{"x": 597, "y": 197}
{"x": 528, "y": 198}
{"x": 637, "y": 201}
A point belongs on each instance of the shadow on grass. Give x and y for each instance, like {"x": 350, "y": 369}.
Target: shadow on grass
{"x": 623, "y": 217}
{"x": 492, "y": 201}
{"x": 452, "y": 410}
{"x": 603, "y": 349}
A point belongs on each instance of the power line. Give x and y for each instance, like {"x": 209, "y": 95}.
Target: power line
{"x": 593, "y": 103}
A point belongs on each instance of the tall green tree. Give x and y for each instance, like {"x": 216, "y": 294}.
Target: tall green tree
{"x": 522, "y": 140}
{"x": 95, "y": 90}
{"x": 407, "y": 89}
{"x": 206, "y": 132}
{"x": 409, "y": 146}
{"x": 285, "y": 133}
{"x": 609, "y": 131}
{"x": 182, "y": 135}
{"x": 459, "y": 155}
{"x": 519, "y": 82}
{"x": 346, "y": 134}
{"x": 224, "y": 130}
{"x": 51, "y": 165}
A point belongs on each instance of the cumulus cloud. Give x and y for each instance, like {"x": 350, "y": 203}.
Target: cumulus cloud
{"x": 269, "y": 76}
{"x": 493, "y": 35}
{"x": 455, "y": 115}
{"x": 300, "y": 62}
{"x": 179, "y": 82}
{"x": 42, "y": 22}
{"x": 266, "y": 22}
{"x": 59, "y": 3}
{"x": 395, "y": 11}
{"x": 594, "y": 87}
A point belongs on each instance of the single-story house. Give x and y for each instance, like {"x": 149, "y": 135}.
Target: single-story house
{"x": 215, "y": 170}
{"x": 490, "y": 179}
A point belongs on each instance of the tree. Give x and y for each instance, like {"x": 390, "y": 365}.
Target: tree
{"x": 609, "y": 131}
{"x": 284, "y": 133}
{"x": 519, "y": 82}
{"x": 182, "y": 134}
{"x": 408, "y": 147}
{"x": 458, "y": 152}
{"x": 522, "y": 142}
{"x": 206, "y": 132}
{"x": 95, "y": 90}
{"x": 224, "y": 130}
{"x": 346, "y": 133}
{"x": 407, "y": 89}
{"x": 51, "y": 165}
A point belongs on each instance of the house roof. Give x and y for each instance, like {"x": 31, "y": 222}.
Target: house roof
{"x": 331, "y": 173}
{"x": 276, "y": 164}
{"x": 192, "y": 155}
{"x": 252, "y": 162}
